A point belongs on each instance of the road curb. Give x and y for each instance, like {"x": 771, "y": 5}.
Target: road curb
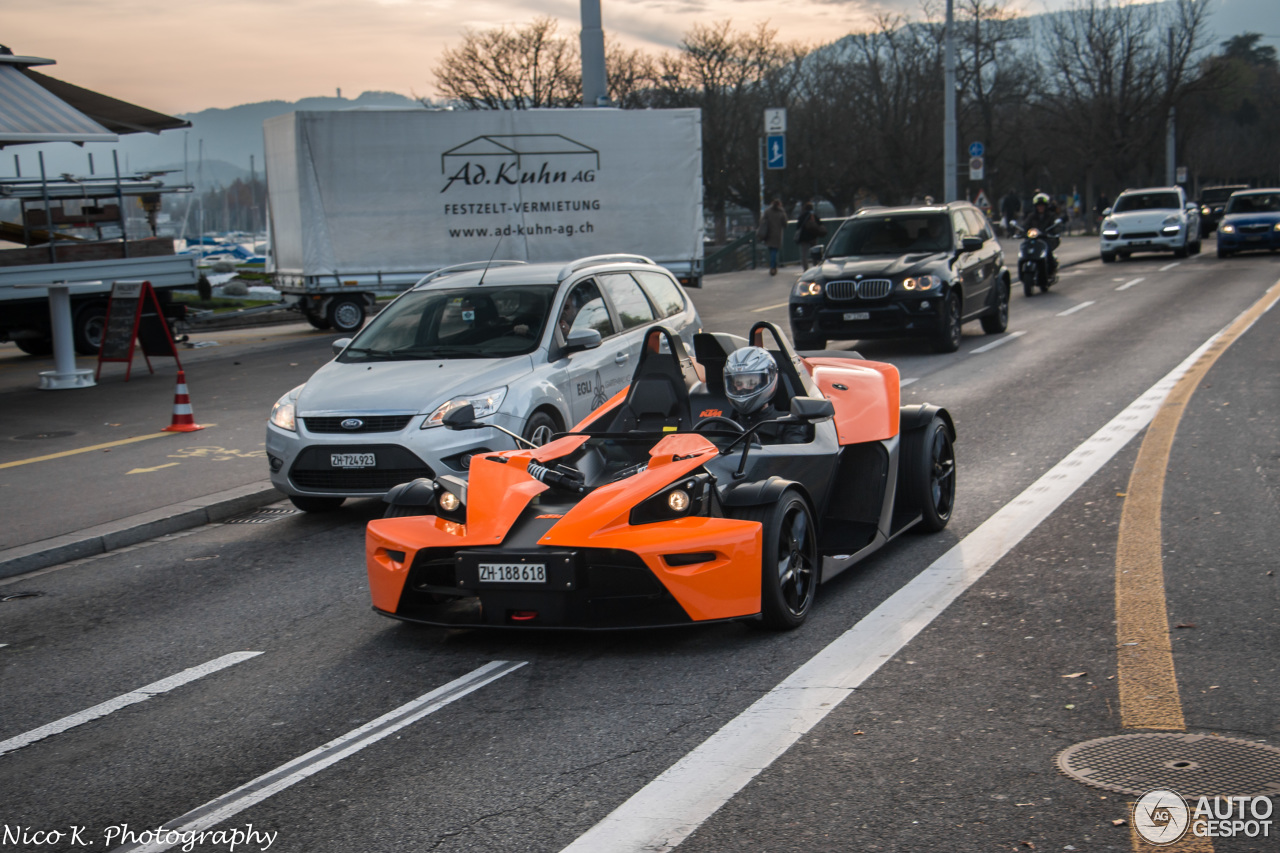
{"x": 138, "y": 528}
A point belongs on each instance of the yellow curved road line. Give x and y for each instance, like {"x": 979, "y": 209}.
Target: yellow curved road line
{"x": 1149, "y": 696}
{"x": 87, "y": 449}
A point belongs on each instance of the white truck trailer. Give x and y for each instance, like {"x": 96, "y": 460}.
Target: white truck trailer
{"x": 368, "y": 201}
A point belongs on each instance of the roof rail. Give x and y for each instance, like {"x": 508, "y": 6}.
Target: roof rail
{"x": 595, "y": 260}
{"x": 469, "y": 265}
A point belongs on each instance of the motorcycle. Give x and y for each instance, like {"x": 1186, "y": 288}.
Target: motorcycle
{"x": 1034, "y": 267}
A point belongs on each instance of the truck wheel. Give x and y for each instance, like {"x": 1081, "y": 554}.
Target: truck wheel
{"x": 87, "y": 327}
{"x": 316, "y": 320}
{"x": 346, "y": 314}
{"x": 35, "y": 346}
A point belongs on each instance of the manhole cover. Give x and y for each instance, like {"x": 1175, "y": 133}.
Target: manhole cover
{"x": 37, "y": 436}
{"x": 1192, "y": 765}
{"x": 260, "y": 516}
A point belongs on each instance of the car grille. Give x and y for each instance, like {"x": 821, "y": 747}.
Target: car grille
{"x": 1139, "y": 235}
{"x": 1253, "y": 229}
{"x": 843, "y": 290}
{"x": 370, "y": 423}
{"x": 313, "y": 471}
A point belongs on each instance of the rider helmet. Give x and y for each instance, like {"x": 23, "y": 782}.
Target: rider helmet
{"x": 1040, "y": 198}
{"x": 750, "y": 379}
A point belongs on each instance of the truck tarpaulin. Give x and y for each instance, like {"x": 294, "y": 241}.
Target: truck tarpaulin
{"x": 391, "y": 192}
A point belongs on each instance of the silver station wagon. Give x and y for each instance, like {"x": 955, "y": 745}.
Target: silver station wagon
{"x": 534, "y": 348}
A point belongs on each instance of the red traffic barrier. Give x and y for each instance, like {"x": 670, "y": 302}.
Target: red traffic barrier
{"x": 183, "y": 418}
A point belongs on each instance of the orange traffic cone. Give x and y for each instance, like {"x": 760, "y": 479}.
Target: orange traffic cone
{"x": 183, "y": 420}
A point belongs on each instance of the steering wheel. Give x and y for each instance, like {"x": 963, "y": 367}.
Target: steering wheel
{"x": 716, "y": 419}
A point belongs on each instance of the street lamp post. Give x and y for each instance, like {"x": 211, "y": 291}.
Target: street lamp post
{"x": 949, "y": 120}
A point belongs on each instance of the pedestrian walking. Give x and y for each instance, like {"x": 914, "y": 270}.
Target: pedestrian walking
{"x": 809, "y": 229}
{"x": 773, "y": 224}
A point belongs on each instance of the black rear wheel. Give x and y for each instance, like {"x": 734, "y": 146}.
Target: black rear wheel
{"x": 998, "y": 320}
{"x": 932, "y": 475}
{"x": 948, "y": 339}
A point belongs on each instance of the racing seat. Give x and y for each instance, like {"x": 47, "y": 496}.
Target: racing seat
{"x": 658, "y": 399}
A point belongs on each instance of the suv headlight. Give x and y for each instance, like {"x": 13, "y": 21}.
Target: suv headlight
{"x": 485, "y": 404}
{"x": 1172, "y": 224}
{"x": 284, "y": 413}
{"x": 807, "y": 288}
{"x": 1110, "y": 229}
{"x": 921, "y": 282}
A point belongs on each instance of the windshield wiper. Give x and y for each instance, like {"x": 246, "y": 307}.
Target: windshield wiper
{"x": 433, "y": 352}
{"x": 380, "y": 353}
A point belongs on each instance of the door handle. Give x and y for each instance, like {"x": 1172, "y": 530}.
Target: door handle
{"x": 621, "y": 358}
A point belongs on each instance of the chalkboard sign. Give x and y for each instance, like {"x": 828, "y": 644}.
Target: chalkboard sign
{"x": 134, "y": 313}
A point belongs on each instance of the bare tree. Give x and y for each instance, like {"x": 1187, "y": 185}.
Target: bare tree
{"x": 512, "y": 69}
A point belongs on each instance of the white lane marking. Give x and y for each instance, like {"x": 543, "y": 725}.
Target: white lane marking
{"x": 215, "y": 811}
{"x": 904, "y": 383}
{"x": 1130, "y": 284}
{"x": 164, "y": 685}
{"x": 997, "y": 343}
{"x": 1167, "y": 267}
{"x": 666, "y": 811}
{"x": 1080, "y": 307}
{"x": 770, "y": 307}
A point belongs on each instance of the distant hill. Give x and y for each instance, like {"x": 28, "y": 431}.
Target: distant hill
{"x": 230, "y": 138}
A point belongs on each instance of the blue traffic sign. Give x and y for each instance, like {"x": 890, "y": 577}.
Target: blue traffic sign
{"x": 776, "y": 152}
{"x": 976, "y": 149}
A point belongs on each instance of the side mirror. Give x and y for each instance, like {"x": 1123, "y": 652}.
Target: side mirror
{"x": 971, "y": 244}
{"x": 1191, "y": 207}
{"x": 1106, "y": 212}
{"x": 340, "y": 344}
{"x": 812, "y": 409}
{"x": 582, "y": 339}
{"x": 463, "y": 417}
{"x": 815, "y": 253}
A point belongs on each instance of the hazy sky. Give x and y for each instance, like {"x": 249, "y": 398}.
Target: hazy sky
{"x": 182, "y": 56}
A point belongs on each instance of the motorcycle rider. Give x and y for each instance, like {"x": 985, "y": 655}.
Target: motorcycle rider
{"x": 1043, "y": 218}
{"x": 750, "y": 381}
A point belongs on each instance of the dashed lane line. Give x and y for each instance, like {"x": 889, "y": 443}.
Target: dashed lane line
{"x": 1080, "y": 307}
{"x": 1000, "y": 341}
{"x": 215, "y": 811}
{"x": 133, "y": 697}
{"x": 1129, "y": 284}
{"x": 1168, "y": 267}
{"x": 664, "y": 812}
{"x": 769, "y": 307}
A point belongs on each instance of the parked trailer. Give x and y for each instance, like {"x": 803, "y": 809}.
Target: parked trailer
{"x": 364, "y": 202}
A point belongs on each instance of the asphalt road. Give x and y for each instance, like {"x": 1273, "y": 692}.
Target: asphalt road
{"x": 947, "y": 743}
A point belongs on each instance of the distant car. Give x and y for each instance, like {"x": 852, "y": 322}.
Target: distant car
{"x": 1155, "y": 219}
{"x": 1213, "y": 201}
{"x": 532, "y": 348}
{"x": 899, "y": 272}
{"x": 1251, "y": 221}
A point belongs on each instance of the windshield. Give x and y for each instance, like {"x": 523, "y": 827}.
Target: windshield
{"x": 1146, "y": 201}
{"x": 1254, "y": 203}
{"x": 474, "y": 322}
{"x": 1217, "y": 194}
{"x": 894, "y": 234}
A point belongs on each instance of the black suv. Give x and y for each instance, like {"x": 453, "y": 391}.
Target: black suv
{"x": 1213, "y": 201}
{"x": 896, "y": 272}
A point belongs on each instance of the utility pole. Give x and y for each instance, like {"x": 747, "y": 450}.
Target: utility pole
{"x": 949, "y": 121}
{"x": 1170, "y": 168}
{"x": 595, "y": 81}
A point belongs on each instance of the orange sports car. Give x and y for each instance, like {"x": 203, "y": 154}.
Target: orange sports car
{"x": 660, "y": 509}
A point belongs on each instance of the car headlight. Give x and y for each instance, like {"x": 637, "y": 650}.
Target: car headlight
{"x": 284, "y": 413}
{"x": 485, "y": 404}
{"x": 921, "y": 282}
{"x": 1171, "y": 225}
{"x": 1110, "y": 230}
{"x": 1228, "y": 229}
{"x": 1277, "y": 227}
{"x": 1205, "y": 210}
{"x": 689, "y": 496}
{"x": 807, "y": 288}
{"x": 451, "y": 498}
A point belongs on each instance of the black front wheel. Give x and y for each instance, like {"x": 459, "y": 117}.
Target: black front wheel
{"x": 948, "y": 339}
{"x": 539, "y": 428}
{"x": 789, "y": 561}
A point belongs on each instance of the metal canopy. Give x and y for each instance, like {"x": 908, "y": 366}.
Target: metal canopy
{"x": 37, "y": 108}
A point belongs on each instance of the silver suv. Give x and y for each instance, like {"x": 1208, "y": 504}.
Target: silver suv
{"x": 533, "y": 347}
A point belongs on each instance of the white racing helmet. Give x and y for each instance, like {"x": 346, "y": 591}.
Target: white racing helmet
{"x": 750, "y": 379}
